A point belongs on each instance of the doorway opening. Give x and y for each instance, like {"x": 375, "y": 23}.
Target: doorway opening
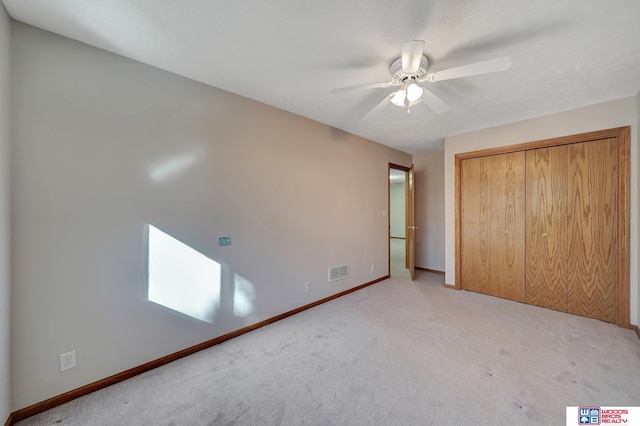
{"x": 401, "y": 229}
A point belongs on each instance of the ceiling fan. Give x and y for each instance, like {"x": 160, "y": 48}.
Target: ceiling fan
{"x": 410, "y": 69}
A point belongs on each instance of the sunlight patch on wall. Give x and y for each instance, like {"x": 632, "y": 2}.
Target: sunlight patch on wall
{"x": 181, "y": 278}
{"x": 173, "y": 166}
{"x": 243, "y": 297}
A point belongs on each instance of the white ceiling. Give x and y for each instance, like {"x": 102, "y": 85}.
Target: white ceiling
{"x": 290, "y": 53}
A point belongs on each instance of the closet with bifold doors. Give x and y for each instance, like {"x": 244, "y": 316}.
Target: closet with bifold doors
{"x": 547, "y": 223}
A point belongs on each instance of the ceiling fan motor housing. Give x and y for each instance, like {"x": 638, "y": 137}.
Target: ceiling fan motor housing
{"x": 398, "y": 76}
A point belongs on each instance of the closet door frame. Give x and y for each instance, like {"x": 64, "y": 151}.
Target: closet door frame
{"x": 622, "y": 134}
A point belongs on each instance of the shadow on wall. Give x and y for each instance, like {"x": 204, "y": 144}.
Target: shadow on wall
{"x": 186, "y": 281}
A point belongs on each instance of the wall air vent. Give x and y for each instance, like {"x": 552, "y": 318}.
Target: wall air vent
{"x": 338, "y": 272}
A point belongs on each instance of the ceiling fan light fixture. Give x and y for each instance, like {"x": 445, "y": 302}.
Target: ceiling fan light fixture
{"x": 410, "y": 69}
{"x": 414, "y": 92}
{"x": 399, "y": 97}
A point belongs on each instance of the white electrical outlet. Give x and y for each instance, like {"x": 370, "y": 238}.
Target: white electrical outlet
{"x": 373, "y": 267}
{"x": 307, "y": 287}
{"x": 67, "y": 361}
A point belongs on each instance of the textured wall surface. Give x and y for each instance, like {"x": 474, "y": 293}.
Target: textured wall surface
{"x": 105, "y": 145}
{"x": 430, "y": 209}
{"x": 5, "y": 119}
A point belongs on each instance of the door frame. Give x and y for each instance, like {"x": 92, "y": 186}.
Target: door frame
{"x": 623, "y": 134}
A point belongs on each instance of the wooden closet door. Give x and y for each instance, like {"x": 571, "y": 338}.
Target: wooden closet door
{"x": 475, "y": 224}
{"x": 592, "y": 229}
{"x": 546, "y": 262}
{"x": 492, "y": 226}
{"x": 506, "y": 215}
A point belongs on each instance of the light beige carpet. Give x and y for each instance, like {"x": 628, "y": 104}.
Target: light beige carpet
{"x": 397, "y": 254}
{"x": 395, "y": 353}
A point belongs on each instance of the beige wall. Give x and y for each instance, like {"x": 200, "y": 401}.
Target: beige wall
{"x": 618, "y": 113}
{"x": 104, "y": 145}
{"x": 5, "y": 97}
{"x": 429, "y": 203}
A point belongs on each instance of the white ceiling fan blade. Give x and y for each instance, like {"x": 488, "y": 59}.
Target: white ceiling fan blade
{"x": 484, "y": 67}
{"x": 412, "y": 103}
{"x": 435, "y": 103}
{"x": 360, "y": 87}
{"x": 411, "y": 55}
{"x": 381, "y": 105}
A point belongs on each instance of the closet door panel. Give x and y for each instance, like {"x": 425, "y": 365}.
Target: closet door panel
{"x": 506, "y": 183}
{"x": 546, "y": 187}
{"x": 475, "y": 224}
{"x": 592, "y": 229}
